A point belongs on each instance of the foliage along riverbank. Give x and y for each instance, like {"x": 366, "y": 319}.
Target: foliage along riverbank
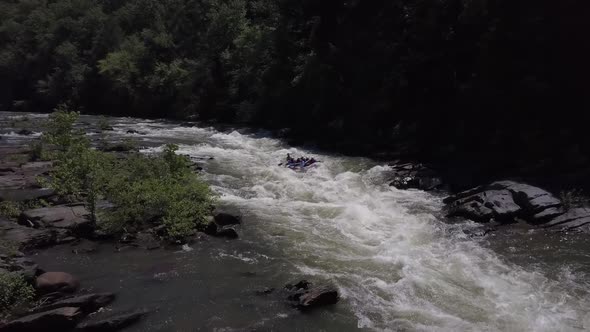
{"x": 61, "y": 190}
{"x": 484, "y": 89}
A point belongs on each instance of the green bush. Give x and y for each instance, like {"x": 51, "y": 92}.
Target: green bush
{"x": 158, "y": 190}
{"x": 10, "y": 209}
{"x": 15, "y": 293}
{"x": 145, "y": 190}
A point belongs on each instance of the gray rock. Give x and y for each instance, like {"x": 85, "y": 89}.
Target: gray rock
{"x": 61, "y": 319}
{"x": 114, "y": 323}
{"x": 318, "y": 297}
{"x": 572, "y": 219}
{"x": 26, "y": 237}
{"x": 87, "y": 303}
{"x": 68, "y": 217}
{"x": 505, "y": 201}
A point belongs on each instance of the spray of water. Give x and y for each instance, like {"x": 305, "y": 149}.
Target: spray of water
{"x": 396, "y": 265}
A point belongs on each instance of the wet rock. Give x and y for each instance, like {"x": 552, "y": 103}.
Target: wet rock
{"x": 265, "y": 291}
{"x": 68, "y": 217}
{"x": 415, "y": 176}
{"x": 133, "y": 131}
{"x": 114, "y": 323}
{"x": 226, "y": 219}
{"x": 227, "y": 232}
{"x": 305, "y": 297}
{"x": 572, "y": 219}
{"x": 508, "y": 201}
{"x": 50, "y": 282}
{"x": 61, "y": 319}
{"x": 482, "y": 207}
{"x": 25, "y": 132}
{"x": 303, "y": 284}
{"x": 318, "y": 297}
{"x": 87, "y": 303}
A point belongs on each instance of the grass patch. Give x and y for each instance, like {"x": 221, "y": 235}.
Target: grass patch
{"x": 15, "y": 293}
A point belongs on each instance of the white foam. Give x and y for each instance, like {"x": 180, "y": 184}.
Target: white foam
{"x": 397, "y": 265}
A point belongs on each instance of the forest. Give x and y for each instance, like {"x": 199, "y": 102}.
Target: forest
{"x": 487, "y": 88}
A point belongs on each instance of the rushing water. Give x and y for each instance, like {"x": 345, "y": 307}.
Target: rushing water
{"x": 397, "y": 265}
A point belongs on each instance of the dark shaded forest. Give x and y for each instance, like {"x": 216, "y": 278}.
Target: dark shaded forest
{"x": 483, "y": 88}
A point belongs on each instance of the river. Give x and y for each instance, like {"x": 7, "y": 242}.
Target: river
{"x": 396, "y": 263}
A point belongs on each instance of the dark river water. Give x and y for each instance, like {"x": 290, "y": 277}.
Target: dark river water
{"x": 397, "y": 265}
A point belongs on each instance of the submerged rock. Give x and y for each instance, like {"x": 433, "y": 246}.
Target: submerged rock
{"x": 61, "y": 319}
{"x": 226, "y": 219}
{"x": 50, "y": 282}
{"x": 87, "y": 303}
{"x": 113, "y": 323}
{"x": 25, "y": 132}
{"x": 227, "y": 232}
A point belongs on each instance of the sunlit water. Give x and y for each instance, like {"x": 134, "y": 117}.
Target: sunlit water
{"x": 397, "y": 265}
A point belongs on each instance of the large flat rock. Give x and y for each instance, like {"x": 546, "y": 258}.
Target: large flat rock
{"x": 63, "y": 216}
{"x": 508, "y": 201}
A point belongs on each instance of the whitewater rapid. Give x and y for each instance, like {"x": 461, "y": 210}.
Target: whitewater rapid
{"x": 395, "y": 263}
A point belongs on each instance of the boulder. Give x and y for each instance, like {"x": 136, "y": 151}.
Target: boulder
{"x": 61, "y": 319}
{"x": 318, "y": 297}
{"x": 305, "y": 297}
{"x": 67, "y": 217}
{"x": 50, "y": 282}
{"x": 504, "y": 201}
{"x": 113, "y": 323}
{"x": 226, "y": 219}
{"x": 87, "y": 303}
{"x": 485, "y": 206}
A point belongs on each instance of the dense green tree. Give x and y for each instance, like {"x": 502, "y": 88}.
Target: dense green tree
{"x": 485, "y": 80}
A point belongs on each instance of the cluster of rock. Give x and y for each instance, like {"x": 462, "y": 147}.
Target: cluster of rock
{"x": 415, "y": 176}
{"x": 508, "y": 202}
{"x": 61, "y": 310}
